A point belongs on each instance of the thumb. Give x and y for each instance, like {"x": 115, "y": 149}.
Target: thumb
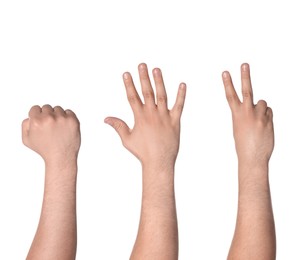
{"x": 25, "y": 131}
{"x": 119, "y": 126}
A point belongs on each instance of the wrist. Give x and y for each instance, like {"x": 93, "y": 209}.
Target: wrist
{"x": 61, "y": 159}
{"x": 254, "y": 159}
{"x": 253, "y": 166}
{"x": 158, "y": 169}
{"x": 158, "y": 180}
{"x": 158, "y": 186}
{"x": 256, "y": 174}
{"x": 158, "y": 164}
{"x": 61, "y": 165}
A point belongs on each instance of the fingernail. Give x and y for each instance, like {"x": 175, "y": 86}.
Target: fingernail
{"x": 142, "y": 66}
{"x": 182, "y": 86}
{"x": 157, "y": 71}
{"x": 224, "y": 74}
{"x": 245, "y": 67}
{"x": 125, "y": 75}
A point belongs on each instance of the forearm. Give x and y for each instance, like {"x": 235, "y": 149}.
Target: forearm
{"x": 254, "y": 236}
{"x": 158, "y": 232}
{"x": 56, "y": 236}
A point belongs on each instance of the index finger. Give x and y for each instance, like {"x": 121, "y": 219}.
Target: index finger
{"x": 230, "y": 92}
{"x": 180, "y": 100}
{"x": 131, "y": 92}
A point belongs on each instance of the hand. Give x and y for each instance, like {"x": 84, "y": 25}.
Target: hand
{"x": 154, "y": 140}
{"x": 53, "y": 133}
{"x": 252, "y": 124}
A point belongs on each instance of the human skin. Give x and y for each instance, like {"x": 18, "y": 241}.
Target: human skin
{"x": 154, "y": 140}
{"x": 254, "y": 236}
{"x": 54, "y": 134}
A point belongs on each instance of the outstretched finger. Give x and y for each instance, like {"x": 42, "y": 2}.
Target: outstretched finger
{"x": 247, "y": 91}
{"x": 131, "y": 92}
{"x": 230, "y": 92}
{"x": 161, "y": 95}
{"x": 180, "y": 101}
{"x": 147, "y": 90}
{"x": 119, "y": 126}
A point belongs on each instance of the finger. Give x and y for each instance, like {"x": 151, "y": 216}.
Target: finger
{"x": 180, "y": 101}
{"x": 25, "y": 130}
{"x": 230, "y": 92}
{"x": 131, "y": 92}
{"x": 59, "y": 111}
{"x": 69, "y": 112}
{"x": 161, "y": 95}
{"x": 47, "y": 109}
{"x": 119, "y": 126}
{"x": 261, "y": 106}
{"x": 247, "y": 91}
{"x": 147, "y": 90}
{"x": 269, "y": 112}
{"x": 35, "y": 111}
{"x": 269, "y": 115}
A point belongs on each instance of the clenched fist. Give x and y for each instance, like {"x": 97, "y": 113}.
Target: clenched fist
{"x": 53, "y": 133}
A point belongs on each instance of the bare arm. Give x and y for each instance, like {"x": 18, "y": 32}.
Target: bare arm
{"x": 54, "y": 134}
{"x": 154, "y": 140}
{"x": 254, "y": 236}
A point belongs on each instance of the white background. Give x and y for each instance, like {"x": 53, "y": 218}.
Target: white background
{"x": 73, "y": 53}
